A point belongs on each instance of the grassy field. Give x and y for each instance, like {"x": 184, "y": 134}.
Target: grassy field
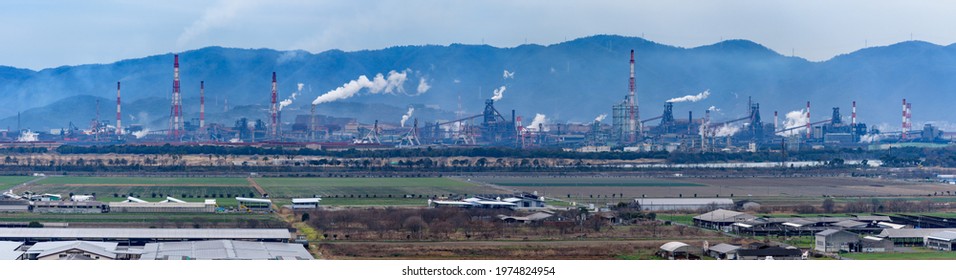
{"x": 153, "y": 181}
{"x": 687, "y": 219}
{"x": 374, "y": 202}
{"x": 920, "y": 254}
{"x": 379, "y": 187}
{"x": 7, "y": 182}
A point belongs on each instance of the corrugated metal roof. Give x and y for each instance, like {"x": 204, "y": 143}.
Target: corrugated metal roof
{"x": 9, "y": 245}
{"x": 911, "y": 232}
{"x": 850, "y": 224}
{"x": 10, "y": 255}
{"x": 99, "y": 248}
{"x": 306, "y": 200}
{"x": 224, "y": 249}
{"x": 724, "y": 248}
{"x": 145, "y": 233}
{"x": 257, "y": 200}
{"x": 721, "y": 215}
{"x": 673, "y": 246}
{"x": 943, "y": 235}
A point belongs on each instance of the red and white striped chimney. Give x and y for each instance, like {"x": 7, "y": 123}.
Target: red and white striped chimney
{"x": 903, "y": 126}
{"x": 119, "y": 119}
{"x": 853, "y": 117}
{"x": 808, "y": 120}
{"x": 202, "y": 104}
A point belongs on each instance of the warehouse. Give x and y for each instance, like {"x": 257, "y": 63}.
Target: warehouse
{"x": 832, "y": 241}
{"x": 140, "y": 236}
{"x": 14, "y": 205}
{"x": 943, "y": 241}
{"x": 723, "y": 251}
{"x": 254, "y": 204}
{"x": 664, "y": 204}
{"x": 676, "y": 250}
{"x": 224, "y": 250}
{"x": 60, "y": 206}
{"x": 909, "y": 237}
{"x": 72, "y": 250}
{"x": 305, "y": 204}
{"x": 721, "y": 219}
{"x": 170, "y": 205}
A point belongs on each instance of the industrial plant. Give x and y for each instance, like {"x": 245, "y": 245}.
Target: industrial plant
{"x": 790, "y": 130}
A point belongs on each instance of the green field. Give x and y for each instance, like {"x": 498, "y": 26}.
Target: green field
{"x": 378, "y": 187}
{"x": 157, "y": 181}
{"x": 584, "y": 182}
{"x": 687, "y": 219}
{"x": 920, "y": 254}
{"x": 7, "y": 182}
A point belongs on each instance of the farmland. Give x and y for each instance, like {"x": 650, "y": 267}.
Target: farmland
{"x": 368, "y": 187}
{"x": 7, "y": 182}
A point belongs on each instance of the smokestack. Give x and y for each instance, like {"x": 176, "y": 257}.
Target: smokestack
{"x": 632, "y": 104}
{"x": 903, "y": 125}
{"x": 202, "y": 104}
{"x": 808, "y": 121}
{"x": 119, "y": 119}
{"x": 312, "y": 123}
{"x": 175, "y": 114}
{"x": 853, "y": 117}
{"x": 274, "y": 109}
{"x": 774, "y": 120}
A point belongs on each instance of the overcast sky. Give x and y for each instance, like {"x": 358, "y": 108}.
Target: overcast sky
{"x": 42, "y": 34}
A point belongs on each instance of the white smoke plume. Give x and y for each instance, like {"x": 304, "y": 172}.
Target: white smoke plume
{"x": 691, "y": 98}
{"x": 713, "y": 109}
{"x": 379, "y": 84}
{"x": 423, "y": 86}
{"x": 726, "y": 130}
{"x": 870, "y": 138}
{"x": 288, "y": 101}
{"x": 508, "y": 75}
{"x": 600, "y": 118}
{"x": 796, "y": 118}
{"x": 141, "y": 133}
{"x": 539, "y": 119}
{"x": 28, "y": 136}
{"x": 499, "y": 93}
{"x": 408, "y": 115}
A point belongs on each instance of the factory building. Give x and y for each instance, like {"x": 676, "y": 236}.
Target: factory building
{"x": 664, "y": 204}
{"x": 224, "y": 250}
{"x": 170, "y": 205}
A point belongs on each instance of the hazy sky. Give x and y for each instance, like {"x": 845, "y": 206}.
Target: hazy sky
{"x": 41, "y": 34}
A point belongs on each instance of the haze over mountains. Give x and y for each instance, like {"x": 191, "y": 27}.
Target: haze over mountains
{"x": 571, "y": 81}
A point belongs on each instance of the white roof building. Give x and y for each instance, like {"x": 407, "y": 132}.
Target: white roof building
{"x": 225, "y": 250}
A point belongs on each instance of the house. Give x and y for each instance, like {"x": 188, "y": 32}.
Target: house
{"x": 72, "y": 250}
{"x": 304, "y": 204}
{"x": 663, "y": 204}
{"x": 721, "y": 219}
{"x": 832, "y": 241}
{"x": 676, "y": 250}
{"x": 943, "y": 241}
{"x": 770, "y": 253}
{"x": 10, "y": 250}
{"x": 723, "y": 251}
{"x": 225, "y": 250}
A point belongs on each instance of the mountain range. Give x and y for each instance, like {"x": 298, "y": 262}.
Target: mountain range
{"x": 571, "y": 81}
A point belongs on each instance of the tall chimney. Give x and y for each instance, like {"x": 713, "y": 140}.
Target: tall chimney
{"x": 175, "y": 114}
{"x": 202, "y": 104}
{"x": 632, "y": 105}
{"x": 903, "y": 125}
{"x": 853, "y": 117}
{"x": 809, "y": 131}
{"x": 312, "y": 123}
{"x": 775, "y": 121}
{"x": 119, "y": 119}
{"x": 274, "y": 109}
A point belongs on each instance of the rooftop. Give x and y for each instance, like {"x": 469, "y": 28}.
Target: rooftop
{"x": 943, "y": 235}
{"x": 225, "y": 250}
{"x": 683, "y": 201}
{"x": 721, "y": 215}
{"x": 144, "y": 233}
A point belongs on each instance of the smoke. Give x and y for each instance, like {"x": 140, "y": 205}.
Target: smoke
{"x": 28, "y": 136}
{"x": 408, "y": 115}
{"x": 600, "y": 118}
{"x": 288, "y": 101}
{"x": 499, "y": 93}
{"x": 539, "y": 119}
{"x": 796, "y": 118}
{"x": 713, "y": 109}
{"x": 141, "y": 133}
{"x": 218, "y": 15}
{"x": 423, "y": 86}
{"x": 726, "y": 130}
{"x": 508, "y": 75}
{"x": 691, "y": 98}
{"x": 870, "y": 138}
{"x": 379, "y": 84}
